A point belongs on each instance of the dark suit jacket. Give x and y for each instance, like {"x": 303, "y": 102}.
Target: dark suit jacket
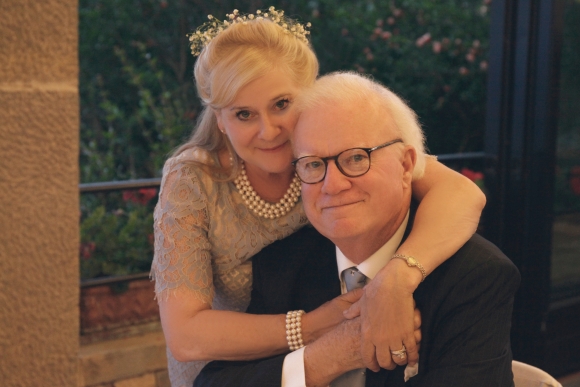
{"x": 466, "y": 306}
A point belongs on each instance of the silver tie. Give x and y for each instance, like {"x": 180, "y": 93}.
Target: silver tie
{"x": 353, "y": 279}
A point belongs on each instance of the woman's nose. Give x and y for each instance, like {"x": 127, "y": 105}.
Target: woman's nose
{"x": 269, "y": 128}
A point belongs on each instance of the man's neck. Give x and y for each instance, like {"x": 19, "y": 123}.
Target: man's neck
{"x": 371, "y": 265}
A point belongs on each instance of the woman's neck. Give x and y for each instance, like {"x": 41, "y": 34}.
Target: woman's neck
{"x": 270, "y": 186}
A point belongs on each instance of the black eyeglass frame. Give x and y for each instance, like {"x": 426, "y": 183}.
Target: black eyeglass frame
{"x": 335, "y": 158}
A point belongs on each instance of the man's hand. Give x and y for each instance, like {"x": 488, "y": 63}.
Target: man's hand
{"x": 333, "y": 354}
{"x": 387, "y": 318}
{"x": 327, "y": 316}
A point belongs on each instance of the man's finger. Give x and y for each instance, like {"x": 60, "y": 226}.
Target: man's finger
{"x": 353, "y": 311}
{"x": 418, "y": 337}
{"x": 417, "y": 319}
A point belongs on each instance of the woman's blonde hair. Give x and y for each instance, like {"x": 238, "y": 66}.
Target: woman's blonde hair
{"x": 237, "y": 56}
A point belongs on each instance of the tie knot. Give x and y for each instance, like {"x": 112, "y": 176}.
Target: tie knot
{"x": 353, "y": 278}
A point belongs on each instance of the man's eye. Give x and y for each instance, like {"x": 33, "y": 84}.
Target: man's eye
{"x": 356, "y": 159}
{"x": 313, "y": 165}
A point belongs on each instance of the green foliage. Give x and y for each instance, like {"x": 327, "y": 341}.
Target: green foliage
{"x": 119, "y": 241}
{"x": 138, "y": 100}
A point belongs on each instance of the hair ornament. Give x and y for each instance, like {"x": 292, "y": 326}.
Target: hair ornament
{"x": 212, "y": 28}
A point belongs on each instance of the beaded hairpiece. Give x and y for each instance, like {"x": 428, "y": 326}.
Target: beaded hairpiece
{"x": 212, "y": 28}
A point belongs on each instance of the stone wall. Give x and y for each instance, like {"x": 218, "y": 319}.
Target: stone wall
{"x": 39, "y": 213}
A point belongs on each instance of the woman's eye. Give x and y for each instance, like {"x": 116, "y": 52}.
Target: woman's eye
{"x": 243, "y": 115}
{"x": 281, "y": 104}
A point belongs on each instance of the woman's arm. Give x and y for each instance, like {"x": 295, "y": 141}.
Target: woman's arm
{"x": 447, "y": 216}
{"x": 193, "y": 331}
{"x": 183, "y": 274}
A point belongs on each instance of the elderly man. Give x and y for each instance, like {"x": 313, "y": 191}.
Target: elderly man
{"x": 355, "y": 144}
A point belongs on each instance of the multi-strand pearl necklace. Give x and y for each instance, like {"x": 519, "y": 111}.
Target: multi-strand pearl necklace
{"x": 260, "y": 207}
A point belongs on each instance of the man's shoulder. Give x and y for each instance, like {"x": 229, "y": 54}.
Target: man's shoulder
{"x": 481, "y": 258}
{"x": 303, "y": 245}
{"x": 304, "y": 242}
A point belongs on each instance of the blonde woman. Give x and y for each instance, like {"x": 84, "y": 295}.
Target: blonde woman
{"x": 230, "y": 191}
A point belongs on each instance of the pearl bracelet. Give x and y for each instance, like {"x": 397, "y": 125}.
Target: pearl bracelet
{"x": 294, "y": 329}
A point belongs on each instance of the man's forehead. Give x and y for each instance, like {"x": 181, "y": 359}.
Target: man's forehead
{"x": 335, "y": 128}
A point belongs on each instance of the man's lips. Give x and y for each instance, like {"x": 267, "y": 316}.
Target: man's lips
{"x": 339, "y": 205}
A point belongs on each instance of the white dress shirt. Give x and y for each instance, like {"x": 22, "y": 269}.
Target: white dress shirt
{"x": 293, "y": 374}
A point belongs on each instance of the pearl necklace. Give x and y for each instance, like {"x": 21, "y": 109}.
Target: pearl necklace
{"x": 260, "y": 207}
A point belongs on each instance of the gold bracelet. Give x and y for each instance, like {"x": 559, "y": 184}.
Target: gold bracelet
{"x": 412, "y": 262}
{"x": 294, "y": 329}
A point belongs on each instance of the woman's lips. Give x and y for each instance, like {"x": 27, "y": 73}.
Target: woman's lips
{"x": 274, "y": 149}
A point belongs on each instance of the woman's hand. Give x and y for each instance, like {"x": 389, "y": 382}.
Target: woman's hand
{"x": 388, "y": 317}
{"x": 327, "y": 316}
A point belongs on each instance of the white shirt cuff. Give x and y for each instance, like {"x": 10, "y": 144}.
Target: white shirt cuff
{"x": 411, "y": 371}
{"x": 293, "y": 369}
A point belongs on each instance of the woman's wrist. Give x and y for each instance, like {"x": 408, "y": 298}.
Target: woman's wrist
{"x": 309, "y": 330}
{"x": 399, "y": 274}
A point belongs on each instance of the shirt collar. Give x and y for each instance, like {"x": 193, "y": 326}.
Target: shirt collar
{"x": 371, "y": 266}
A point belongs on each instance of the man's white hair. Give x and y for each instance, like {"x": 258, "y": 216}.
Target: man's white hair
{"x": 352, "y": 88}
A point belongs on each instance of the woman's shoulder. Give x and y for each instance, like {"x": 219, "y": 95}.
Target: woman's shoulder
{"x": 189, "y": 167}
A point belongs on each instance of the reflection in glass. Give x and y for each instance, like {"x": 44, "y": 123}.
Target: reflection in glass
{"x": 566, "y": 227}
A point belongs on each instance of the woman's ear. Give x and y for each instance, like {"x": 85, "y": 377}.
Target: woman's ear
{"x": 219, "y": 120}
{"x": 408, "y": 162}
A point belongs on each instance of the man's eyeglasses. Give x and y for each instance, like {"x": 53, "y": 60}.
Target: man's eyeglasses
{"x": 351, "y": 162}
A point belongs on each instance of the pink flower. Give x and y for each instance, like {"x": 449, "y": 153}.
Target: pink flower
{"x": 470, "y": 57}
{"x": 87, "y": 249}
{"x": 437, "y": 47}
{"x": 386, "y": 35}
{"x": 472, "y": 175}
{"x": 463, "y": 70}
{"x": 142, "y": 196}
{"x": 426, "y": 38}
{"x": 575, "y": 180}
{"x": 344, "y": 32}
{"x": 390, "y": 20}
{"x": 483, "y": 65}
{"x": 397, "y": 12}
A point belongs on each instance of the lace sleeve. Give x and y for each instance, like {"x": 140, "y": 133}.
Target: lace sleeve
{"x": 182, "y": 259}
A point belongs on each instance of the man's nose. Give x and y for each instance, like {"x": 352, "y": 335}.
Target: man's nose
{"x": 335, "y": 181}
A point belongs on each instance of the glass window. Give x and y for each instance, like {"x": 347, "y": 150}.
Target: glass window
{"x": 566, "y": 227}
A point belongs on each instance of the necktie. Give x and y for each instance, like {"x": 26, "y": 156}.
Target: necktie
{"x": 353, "y": 279}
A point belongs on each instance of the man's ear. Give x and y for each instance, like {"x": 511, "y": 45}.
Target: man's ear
{"x": 408, "y": 163}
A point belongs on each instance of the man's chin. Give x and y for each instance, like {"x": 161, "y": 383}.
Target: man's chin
{"x": 338, "y": 228}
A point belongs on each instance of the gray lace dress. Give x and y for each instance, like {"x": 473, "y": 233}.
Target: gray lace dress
{"x": 205, "y": 237}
